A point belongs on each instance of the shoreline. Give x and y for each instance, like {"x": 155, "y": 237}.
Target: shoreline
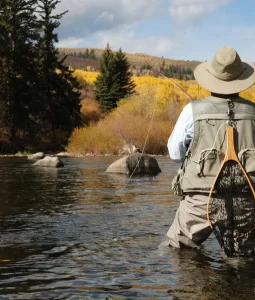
{"x": 75, "y": 155}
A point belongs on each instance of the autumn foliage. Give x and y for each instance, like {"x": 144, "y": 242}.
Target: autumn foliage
{"x": 145, "y": 120}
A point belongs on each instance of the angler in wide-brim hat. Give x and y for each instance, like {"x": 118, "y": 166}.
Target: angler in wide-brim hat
{"x": 225, "y": 73}
{"x": 199, "y": 137}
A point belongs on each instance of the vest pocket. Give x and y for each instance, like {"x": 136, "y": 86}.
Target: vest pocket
{"x": 209, "y": 162}
{"x": 247, "y": 159}
{"x": 177, "y": 181}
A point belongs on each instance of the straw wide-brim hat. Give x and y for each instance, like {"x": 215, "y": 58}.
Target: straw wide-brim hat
{"x": 226, "y": 73}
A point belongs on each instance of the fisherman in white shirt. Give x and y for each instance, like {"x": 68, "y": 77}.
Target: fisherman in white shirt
{"x": 199, "y": 128}
{"x": 181, "y": 135}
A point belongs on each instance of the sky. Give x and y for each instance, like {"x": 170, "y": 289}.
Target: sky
{"x": 178, "y": 29}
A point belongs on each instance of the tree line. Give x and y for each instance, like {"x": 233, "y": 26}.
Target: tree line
{"x": 81, "y": 60}
{"x": 88, "y": 54}
{"x": 39, "y": 97}
{"x": 181, "y": 73}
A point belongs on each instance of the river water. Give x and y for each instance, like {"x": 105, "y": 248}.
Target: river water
{"x": 75, "y": 233}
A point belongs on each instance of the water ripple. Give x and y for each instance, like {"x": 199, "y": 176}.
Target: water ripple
{"x": 75, "y": 234}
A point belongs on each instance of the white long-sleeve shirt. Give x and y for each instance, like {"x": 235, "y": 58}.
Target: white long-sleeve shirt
{"x": 181, "y": 135}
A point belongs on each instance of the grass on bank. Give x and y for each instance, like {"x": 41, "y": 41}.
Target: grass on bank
{"x": 146, "y": 119}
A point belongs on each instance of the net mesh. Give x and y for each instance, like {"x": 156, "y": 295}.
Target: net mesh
{"x": 231, "y": 211}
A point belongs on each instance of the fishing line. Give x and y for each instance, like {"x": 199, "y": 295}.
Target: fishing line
{"x": 176, "y": 85}
{"x": 149, "y": 129}
{"x": 144, "y": 146}
{"x": 210, "y": 150}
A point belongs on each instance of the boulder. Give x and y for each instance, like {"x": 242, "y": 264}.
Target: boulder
{"x": 35, "y": 156}
{"x": 142, "y": 164}
{"x": 49, "y": 161}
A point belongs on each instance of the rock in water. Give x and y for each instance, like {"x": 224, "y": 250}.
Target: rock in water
{"x": 142, "y": 164}
{"x": 49, "y": 161}
{"x": 35, "y": 156}
{"x": 119, "y": 166}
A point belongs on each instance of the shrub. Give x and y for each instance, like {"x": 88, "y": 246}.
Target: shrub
{"x": 141, "y": 120}
{"x": 146, "y": 119}
{"x": 96, "y": 139}
{"x": 90, "y": 111}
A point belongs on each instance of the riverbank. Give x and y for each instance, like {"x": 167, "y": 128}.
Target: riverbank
{"x": 66, "y": 154}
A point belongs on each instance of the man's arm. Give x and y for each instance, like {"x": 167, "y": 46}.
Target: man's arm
{"x": 182, "y": 135}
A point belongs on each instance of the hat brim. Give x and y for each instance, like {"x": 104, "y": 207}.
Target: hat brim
{"x": 215, "y": 85}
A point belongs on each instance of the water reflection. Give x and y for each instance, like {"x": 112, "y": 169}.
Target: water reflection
{"x": 70, "y": 234}
{"x": 204, "y": 275}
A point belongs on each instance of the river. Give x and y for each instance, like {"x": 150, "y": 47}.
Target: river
{"x": 77, "y": 233}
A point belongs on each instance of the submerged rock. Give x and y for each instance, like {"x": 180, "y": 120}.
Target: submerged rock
{"x": 49, "y": 161}
{"x": 137, "y": 163}
{"x": 35, "y": 156}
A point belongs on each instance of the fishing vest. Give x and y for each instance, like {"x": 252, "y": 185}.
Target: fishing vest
{"x": 207, "y": 149}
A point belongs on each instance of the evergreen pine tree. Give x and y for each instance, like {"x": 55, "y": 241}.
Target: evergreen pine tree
{"x": 18, "y": 28}
{"x": 114, "y": 81}
{"x": 106, "y": 85}
{"x": 87, "y": 53}
{"x": 60, "y": 99}
{"x": 124, "y": 76}
{"x": 92, "y": 54}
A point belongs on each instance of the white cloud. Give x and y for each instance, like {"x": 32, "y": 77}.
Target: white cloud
{"x": 94, "y": 23}
{"x": 70, "y": 42}
{"x": 190, "y": 10}
{"x": 88, "y": 16}
{"x": 125, "y": 38}
{"x": 105, "y": 17}
{"x": 131, "y": 8}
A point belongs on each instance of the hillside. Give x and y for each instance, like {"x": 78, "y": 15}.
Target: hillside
{"x": 82, "y": 58}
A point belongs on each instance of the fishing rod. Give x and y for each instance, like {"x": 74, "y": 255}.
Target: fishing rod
{"x": 176, "y": 85}
{"x": 149, "y": 129}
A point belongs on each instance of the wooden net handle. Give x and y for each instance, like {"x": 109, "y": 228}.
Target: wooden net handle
{"x": 230, "y": 151}
{"x": 230, "y": 155}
